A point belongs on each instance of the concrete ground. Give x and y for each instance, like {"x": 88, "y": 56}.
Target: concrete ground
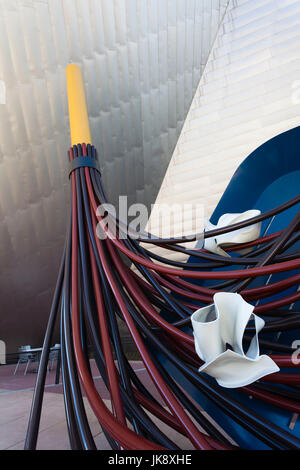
{"x": 16, "y": 393}
{"x": 53, "y": 435}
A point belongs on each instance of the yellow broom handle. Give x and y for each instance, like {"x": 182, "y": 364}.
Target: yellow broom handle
{"x": 79, "y": 121}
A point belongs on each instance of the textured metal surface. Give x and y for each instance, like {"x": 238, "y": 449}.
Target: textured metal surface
{"x": 142, "y": 61}
{"x": 248, "y": 93}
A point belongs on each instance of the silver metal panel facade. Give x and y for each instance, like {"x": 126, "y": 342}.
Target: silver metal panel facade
{"x": 142, "y": 61}
{"x": 248, "y": 93}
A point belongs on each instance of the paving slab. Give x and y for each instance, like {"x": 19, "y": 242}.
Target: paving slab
{"x": 16, "y": 394}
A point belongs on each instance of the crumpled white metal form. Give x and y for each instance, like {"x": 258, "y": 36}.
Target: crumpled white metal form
{"x": 243, "y": 235}
{"x": 220, "y": 326}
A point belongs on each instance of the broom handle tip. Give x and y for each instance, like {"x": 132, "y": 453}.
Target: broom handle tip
{"x": 78, "y": 115}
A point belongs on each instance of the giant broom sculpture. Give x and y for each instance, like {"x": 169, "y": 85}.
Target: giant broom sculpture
{"x": 95, "y": 287}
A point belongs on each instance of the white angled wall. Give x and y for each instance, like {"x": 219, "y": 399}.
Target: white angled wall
{"x": 249, "y": 92}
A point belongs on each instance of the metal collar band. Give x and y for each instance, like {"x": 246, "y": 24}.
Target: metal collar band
{"x": 81, "y": 162}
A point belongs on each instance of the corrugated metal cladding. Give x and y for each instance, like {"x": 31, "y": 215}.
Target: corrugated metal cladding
{"x": 142, "y": 61}
{"x": 248, "y": 93}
